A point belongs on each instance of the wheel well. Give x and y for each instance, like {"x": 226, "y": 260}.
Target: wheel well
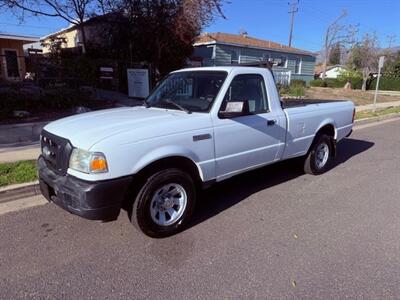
{"x": 328, "y": 130}
{"x": 179, "y": 162}
{"x": 138, "y": 179}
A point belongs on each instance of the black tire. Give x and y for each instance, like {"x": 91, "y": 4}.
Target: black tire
{"x": 140, "y": 214}
{"x": 310, "y": 164}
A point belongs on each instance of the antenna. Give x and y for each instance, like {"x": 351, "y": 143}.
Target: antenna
{"x": 293, "y": 9}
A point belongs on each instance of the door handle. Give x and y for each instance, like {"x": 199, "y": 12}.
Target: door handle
{"x": 271, "y": 122}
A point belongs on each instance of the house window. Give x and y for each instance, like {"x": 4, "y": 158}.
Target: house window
{"x": 265, "y": 57}
{"x": 297, "y": 66}
{"x": 12, "y": 69}
{"x": 235, "y": 56}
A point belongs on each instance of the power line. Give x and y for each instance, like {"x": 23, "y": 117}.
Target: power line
{"x": 293, "y": 9}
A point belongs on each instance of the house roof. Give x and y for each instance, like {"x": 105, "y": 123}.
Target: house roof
{"x": 24, "y": 38}
{"x": 243, "y": 40}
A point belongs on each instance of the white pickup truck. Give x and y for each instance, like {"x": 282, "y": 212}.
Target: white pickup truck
{"x": 198, "y": 126}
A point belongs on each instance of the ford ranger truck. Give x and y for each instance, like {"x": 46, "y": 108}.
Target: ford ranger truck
{"x": 199, "y": 126}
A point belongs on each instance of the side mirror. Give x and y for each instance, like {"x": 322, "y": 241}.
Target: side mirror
{"x": 234, "y": 109}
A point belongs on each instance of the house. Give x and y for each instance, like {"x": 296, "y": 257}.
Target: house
{"x": 12, "y": 58}
{"x": 217, "y": 49}
{"x": 71, "y": 37}
{"x": 331, "y": 71}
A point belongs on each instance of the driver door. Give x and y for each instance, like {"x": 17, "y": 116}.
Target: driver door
{"x": 251, "y": 140}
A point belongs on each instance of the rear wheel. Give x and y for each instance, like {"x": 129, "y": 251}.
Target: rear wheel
{"x": 164, "y": 204}
{"x": 319, "y": 157}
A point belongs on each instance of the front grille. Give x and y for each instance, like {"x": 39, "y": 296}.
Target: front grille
{"x": 55, "y": 151}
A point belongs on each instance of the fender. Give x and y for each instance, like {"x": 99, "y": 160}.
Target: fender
{"x": 164, "y": 152}
{"x": 328, "y": 121}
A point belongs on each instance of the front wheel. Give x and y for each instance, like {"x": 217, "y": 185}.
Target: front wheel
{"x": 320, "y": 156}
{"x": 164, "y": 204}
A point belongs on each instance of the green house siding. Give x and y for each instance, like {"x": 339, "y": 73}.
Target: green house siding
{"x": 227, "y": 54}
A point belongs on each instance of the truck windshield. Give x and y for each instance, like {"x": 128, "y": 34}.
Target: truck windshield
{"x": 192, "y": 91}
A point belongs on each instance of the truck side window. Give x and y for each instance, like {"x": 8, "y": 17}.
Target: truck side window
{"x": 248, "y": 87}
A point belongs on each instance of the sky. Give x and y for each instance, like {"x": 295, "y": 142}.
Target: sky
{"x": 268, "y": 19}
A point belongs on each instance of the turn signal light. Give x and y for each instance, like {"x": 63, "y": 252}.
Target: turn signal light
{"x": 98, "y": 164}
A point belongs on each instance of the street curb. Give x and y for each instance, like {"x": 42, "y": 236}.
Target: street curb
{"x": 376, "y": 119}
{"x": 18, "y": 191}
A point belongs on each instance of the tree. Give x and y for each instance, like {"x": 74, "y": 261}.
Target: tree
{"x": 364, "y": 57}
{"x": 337, "y": 33}
{"x": 73, "y": 11}
{"x": 161, "y": 32}
{"x": 335, "y": 54}
{"x": 392, "y": 63}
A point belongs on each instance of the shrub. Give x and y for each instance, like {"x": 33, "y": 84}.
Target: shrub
{"x": 296, "y": 90}
{"x": 298, "y": 82}
{"x": 282, "y": 88}
{"x": 317, "y": 83}
{"x": 353, "y": 76}
{"x": 387, "y": 84}
{"x": 356, "y": 83}
{"x": 50, "y": 99}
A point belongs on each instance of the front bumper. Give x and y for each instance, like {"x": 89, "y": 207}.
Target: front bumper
{"x": 101, "y": 200}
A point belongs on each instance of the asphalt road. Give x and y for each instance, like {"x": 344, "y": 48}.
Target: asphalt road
{"x": 271, "y": 233}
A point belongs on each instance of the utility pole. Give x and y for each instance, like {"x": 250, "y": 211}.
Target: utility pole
{"x": 293, "y": 9}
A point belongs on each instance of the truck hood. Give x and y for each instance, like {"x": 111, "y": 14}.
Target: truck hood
{"x": 85, "y": 130}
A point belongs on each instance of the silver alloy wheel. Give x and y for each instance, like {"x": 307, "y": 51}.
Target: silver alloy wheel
{"x": 321, "y": 155}
{"x": 168, "y": 204}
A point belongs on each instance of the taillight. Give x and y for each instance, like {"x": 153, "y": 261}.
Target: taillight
{"x": 354, "y": 115}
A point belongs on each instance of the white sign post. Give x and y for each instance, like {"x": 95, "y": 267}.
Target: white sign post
{"x": 381, "y": 61}
{"x": 138, "y": 83}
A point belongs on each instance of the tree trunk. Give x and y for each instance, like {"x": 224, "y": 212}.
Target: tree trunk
{"x": 364, "y": 85}
{"x": 83, "y": 34}
{"x": 365, "y": 74}
{"x": 326, "y": 49}
{"x": 324, "y": 68}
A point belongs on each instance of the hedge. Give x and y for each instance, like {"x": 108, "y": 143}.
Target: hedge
{"x": 356, "y": 83}
{"x": 318, "y": 83}
{"x": 50, "y": 100}
{"x": 387, "y": 84}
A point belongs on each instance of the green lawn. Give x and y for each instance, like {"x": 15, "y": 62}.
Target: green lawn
{"x": 17, "y": 172}
{"x": 380, "y": 112}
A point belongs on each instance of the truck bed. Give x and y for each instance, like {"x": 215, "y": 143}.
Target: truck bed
{"x": 290, "y": 103}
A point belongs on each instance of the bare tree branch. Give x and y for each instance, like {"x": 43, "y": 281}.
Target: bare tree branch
{"x": 337, "y": 33}
{"x": 73, "y": 11}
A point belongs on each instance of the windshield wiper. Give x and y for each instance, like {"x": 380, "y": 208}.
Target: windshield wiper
{"x": 176, "y": 105}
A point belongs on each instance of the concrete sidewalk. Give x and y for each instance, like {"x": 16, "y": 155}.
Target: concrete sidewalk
{"x": 10, "y": 154}
{"x": 32, "y": 151}
{"x": 381, "y": 105}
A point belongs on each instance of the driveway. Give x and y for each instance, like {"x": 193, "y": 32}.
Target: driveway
{"x": 271, "y": 233}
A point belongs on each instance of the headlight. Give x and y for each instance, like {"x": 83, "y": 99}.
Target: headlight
{"x": 88, "y": 162}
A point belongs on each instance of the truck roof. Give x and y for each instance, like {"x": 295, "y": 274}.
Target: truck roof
{"x": 221, "y": 68}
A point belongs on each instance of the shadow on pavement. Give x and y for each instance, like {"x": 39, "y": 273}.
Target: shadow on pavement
{"x": 228, "y": 193}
